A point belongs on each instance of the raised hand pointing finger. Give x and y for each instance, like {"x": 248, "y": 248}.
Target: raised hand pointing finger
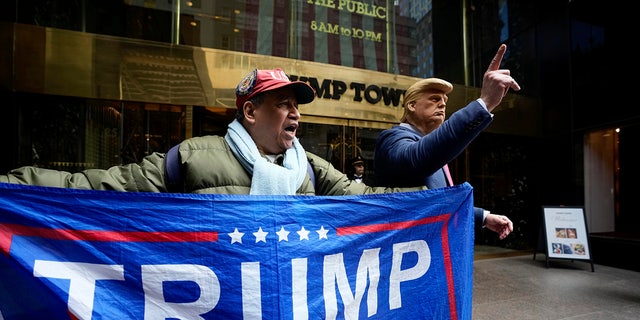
{"x": 496, "y": 82}
{"x": 497, "y": 59}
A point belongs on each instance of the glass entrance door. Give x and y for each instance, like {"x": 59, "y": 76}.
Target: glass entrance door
{"x": 340, "y": 143}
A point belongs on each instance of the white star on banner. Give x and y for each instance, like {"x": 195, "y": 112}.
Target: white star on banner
{"x": 283, "y": 235}
{"x": 236, "y": 236}
{"x": 304, "y": 234}
{"x": 322, "y": 233}
{"x": 261, "y": 235}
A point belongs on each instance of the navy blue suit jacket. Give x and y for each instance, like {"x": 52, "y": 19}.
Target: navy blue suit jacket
{"x": 406, "y": 158}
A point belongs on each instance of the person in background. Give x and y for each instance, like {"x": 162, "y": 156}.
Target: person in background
{"x": 357, "y": 171}
{"x": 416, "y": 151}
{"x": 260, "y": 154}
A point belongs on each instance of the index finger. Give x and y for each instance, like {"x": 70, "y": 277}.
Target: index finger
{"x": 497, "y": 59}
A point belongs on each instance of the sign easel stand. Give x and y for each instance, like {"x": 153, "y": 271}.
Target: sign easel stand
{"x": 563, "y": 235}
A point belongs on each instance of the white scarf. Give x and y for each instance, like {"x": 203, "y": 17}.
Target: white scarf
{"x": 268, "y": 178}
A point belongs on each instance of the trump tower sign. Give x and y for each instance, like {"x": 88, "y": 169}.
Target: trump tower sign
{"x": 78, "y": 254}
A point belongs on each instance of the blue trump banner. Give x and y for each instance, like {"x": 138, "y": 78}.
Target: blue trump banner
{"x": 78, "y": 254}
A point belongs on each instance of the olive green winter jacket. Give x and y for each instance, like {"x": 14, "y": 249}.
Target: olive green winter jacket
{"x": 206, "y": 165}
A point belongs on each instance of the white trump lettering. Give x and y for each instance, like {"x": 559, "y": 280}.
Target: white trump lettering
{"x": 83, "y": 277}
{"x": 155, "y": 306}
{"x": 398, "y": 276}
{"x": 251, "y": 298}
{"x": 334, "y": 271}
{"x": 299, "y": 289}
{"x": 82, "y": 281}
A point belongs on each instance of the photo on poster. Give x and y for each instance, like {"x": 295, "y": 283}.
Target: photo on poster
{"x": 566, "y": 233}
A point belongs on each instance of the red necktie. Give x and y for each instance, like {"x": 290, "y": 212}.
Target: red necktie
{"x": 448, "y": 174}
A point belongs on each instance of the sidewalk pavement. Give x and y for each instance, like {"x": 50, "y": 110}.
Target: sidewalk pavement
{"x": 515, "y": 286}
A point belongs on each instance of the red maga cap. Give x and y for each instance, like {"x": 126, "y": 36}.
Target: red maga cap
{"x": 258, "y": 81}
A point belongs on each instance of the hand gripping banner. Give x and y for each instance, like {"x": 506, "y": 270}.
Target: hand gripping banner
{"x": 78, "y": 254}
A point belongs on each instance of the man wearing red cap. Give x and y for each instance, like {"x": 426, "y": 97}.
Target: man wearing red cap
{"x": 260, "y": 154}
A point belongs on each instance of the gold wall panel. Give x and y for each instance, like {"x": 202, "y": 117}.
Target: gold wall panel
{"x": 70, "y": 63}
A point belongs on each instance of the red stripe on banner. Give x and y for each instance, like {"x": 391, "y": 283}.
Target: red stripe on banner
{"x": 7, "y": 231}
{"x": 71, "y": 315}
{"x": 448, "y": 269}
{"x": 381, "y": 227}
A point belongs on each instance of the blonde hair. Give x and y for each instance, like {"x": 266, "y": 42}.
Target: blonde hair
{"x": 416, "y": 90}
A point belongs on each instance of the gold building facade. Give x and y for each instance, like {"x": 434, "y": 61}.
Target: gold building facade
{"x": 92, "y": 84}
